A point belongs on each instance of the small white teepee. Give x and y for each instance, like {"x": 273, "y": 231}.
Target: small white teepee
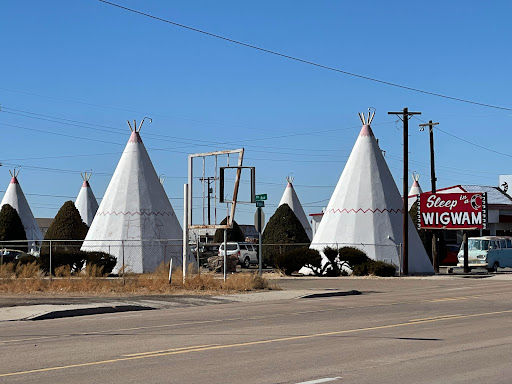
{"x": 15, "y": 197}
{"x": 135, "y": 221}
{"x": 415, "y": 190}
{"x": 365, "y": 209}
{"x": 86, "y": 201}
{"x": 290, "y": 197}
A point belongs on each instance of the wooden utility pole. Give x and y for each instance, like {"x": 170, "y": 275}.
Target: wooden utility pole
{"x": 430, "y": 125}
{"x": 210, "y": 190}
{"x": 405, "y": 115}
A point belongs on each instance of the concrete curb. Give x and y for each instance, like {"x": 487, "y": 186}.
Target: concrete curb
{"x": 43, "y": 312}
{"x": 88, "y": 311}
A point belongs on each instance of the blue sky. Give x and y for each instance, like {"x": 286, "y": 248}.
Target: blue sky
{"x": 97, "y": 66}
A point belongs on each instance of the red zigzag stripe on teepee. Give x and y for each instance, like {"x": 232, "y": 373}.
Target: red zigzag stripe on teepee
{"x": 365, "y": 210}
{"x": 135, "y": 213}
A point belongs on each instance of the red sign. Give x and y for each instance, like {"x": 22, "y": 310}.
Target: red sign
{"x": 452, "y": 210}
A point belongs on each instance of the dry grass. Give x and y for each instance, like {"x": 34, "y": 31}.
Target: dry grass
{"x": 30, "y": 279}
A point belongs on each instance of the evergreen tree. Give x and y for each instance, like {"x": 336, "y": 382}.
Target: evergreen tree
{"x": 67, "y": 225}
{"x": 282, "y": 228}
{"x": 11, "y": 228}
{"x": 234, "y": 234}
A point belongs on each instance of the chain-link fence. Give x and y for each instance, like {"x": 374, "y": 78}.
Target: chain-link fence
{"x": 139, "y": 256}
{"x": 117, "y": 256}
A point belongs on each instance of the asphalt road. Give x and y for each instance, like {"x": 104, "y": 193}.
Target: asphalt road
{"x": 436, "y": 330}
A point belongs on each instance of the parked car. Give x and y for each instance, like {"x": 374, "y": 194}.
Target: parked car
{"x": 246, "y": 252}
{"x": 450, "y": 258}
{"x": 10, "y": 255}
{"x": 491, "y": 252}
{"x": 207, "y": 250}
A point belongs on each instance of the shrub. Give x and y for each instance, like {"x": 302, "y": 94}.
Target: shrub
{"x": 11, "y": 228}
{"x": 380, "y": 268}
{"x": 234, "y": 234}
{"x": 67, "y": 225}
{"x": 282, "y": 229}
{"x": 27, "y": 259}
{"x": 353, "y": 256}
{"x": 62, "y": 256}
{"x": 297, "y": 258}
{"x": 101, "y": 260}
{"x": 375, "y": 268}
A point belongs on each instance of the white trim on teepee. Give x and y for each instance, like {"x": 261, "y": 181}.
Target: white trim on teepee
{"x": 365, "y": 209}
{"x": 86, "y": 201}
{"x": 290, "y": 197}
{"x": 15, "y": 197}
{"x": 135, "y": 219}
{"x": 414, "y": 191}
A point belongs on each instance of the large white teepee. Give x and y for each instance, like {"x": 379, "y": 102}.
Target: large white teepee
{"x": 291, "y": 198}
{"x": 365, "y": 210}
{"x": 135, "y": 221}
{"x": 415, "y": 190}
{"x": 86, "y": 201}
{"x": 15, "y": 197}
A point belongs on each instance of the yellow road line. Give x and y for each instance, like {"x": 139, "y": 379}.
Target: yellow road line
{"x": 455, "y": 298}
{"x": 435, "y": 318}
{"x": 238, "y": 318}
{"x": 29, "y": 339}
{"x": 249, "y": 343}
{"x": 169, "y": 350}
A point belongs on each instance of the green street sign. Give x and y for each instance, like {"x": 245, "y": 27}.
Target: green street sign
{"x": 260, "y": 204}
{"x": 261, "y": 197}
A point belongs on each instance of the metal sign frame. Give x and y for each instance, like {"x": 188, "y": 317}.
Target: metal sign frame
{"x": 239, "y": 170}
{"x": 231, "y": 217}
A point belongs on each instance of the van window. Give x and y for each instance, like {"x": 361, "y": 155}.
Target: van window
{"x": 509, "y": 243}
{"x": 503, "y": 244}
{"x": 478, "y": 245}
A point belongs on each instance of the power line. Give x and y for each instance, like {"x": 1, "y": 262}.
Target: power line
{"x": 305, "y": 61}
{"x": 470, "y": 142}
{"x": 188, "y": 143}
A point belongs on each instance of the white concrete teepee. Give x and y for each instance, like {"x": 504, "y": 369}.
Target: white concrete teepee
{"x": 86, "y": 201}
{"x": 135, "y": 221}
{"x": 15, "y": 197}
{"x": 291, "y": 198}
{"x": 415, "y": 190}
{"x": 365, "y": 210}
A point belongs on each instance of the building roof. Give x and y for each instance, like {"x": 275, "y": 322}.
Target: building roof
{"x": 495, "y": 196}
{"x": 44, "y": 222}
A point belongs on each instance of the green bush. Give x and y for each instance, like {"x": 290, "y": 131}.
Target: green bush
{"x": 380, "y": 268}
{"x": 282, "y": 230}
{"x": 74, "y": 258}
{"x": 67, "y": 225}
{"x": 11, "y": 228}
{"x": 234, "y": 234}
{"x": 27, "y": 259}
{"x": 101, "y": 259}
{"x": 375, "y": 268}
{"x": 353, "y": 256}
{"x": 297, "y": 258}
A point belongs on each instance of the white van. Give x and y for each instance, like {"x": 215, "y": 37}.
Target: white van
{"x": 491, "y": 252}
{"x": 247, "y": 253}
